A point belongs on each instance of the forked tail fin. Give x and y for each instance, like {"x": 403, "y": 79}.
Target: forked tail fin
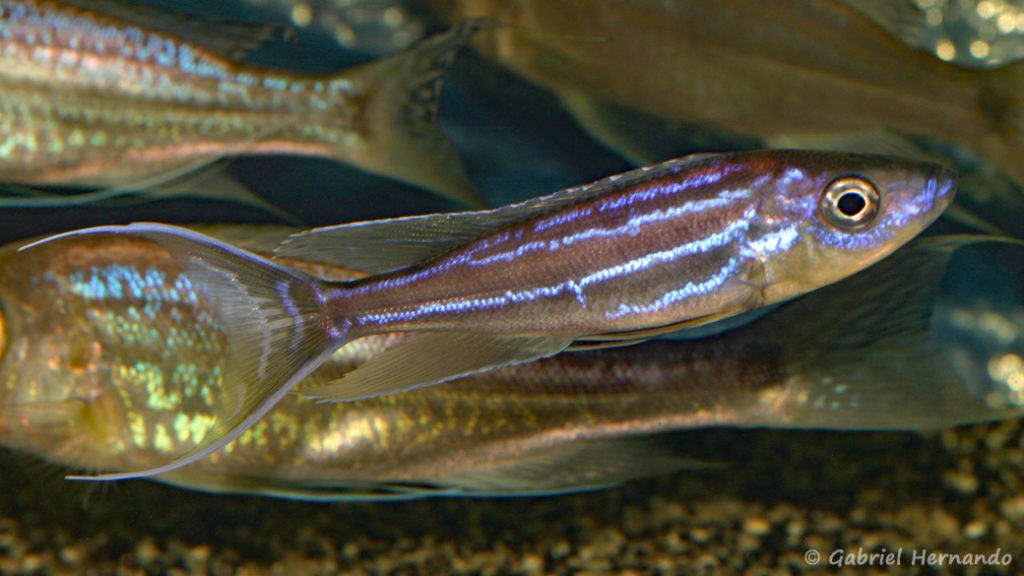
{"x": 405, "y": 141}
{"x": 270, "y": 315}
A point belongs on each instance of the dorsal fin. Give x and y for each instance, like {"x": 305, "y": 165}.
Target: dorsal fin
{"x": 384, "y": 245}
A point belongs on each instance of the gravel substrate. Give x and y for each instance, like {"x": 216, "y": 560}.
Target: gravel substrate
{"x": 780, "y": 496}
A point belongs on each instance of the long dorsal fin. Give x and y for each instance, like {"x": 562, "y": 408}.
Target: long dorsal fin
{"x": 384, "y": 245}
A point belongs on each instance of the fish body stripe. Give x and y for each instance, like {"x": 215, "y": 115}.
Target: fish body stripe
{"x": 665, "y": 243}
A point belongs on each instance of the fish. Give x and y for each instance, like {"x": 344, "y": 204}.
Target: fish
{"x": 113, "y": 360}
{"x": 93, "y": 99}
{"x": 618, "y": 261}
{"x": 792, "y": 73}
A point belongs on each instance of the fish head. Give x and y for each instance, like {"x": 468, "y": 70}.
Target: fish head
{"x": 829, "y": 215}
{"x": 52, "y": 402}
{"x": 80, "y": 383}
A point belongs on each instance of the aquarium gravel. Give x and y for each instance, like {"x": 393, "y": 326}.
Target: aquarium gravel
{"x": 773, "y": 501}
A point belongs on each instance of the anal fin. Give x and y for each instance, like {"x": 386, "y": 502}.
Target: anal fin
{"x": 306, "y": 491}
{"x": 579, "y": 466}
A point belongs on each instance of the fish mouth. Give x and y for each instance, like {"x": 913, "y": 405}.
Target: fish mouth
{"x": 942, "y": 187}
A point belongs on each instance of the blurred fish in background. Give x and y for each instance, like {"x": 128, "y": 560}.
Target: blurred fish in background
{"x": 130, "y": 97}
{"x": 645, "y": 77}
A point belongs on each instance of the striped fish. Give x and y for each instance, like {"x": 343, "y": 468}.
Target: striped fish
{"x": 113, "y": 363}
{"x": 679, "y": 244}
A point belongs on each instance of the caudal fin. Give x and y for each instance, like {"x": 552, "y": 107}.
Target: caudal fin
{"x": 270, "y": 315}
{"x": 405, "y": 141}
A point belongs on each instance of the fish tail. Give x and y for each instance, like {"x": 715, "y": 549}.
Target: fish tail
{"x": 869, "y": 360}
{"x": 404, "y": 139}
{"x": 270, "y": 314}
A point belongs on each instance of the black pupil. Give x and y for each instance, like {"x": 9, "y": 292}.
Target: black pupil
{"x": 851, "y": 204}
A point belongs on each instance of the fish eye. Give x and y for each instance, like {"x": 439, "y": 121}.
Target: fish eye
{"x": 850, "y": 203}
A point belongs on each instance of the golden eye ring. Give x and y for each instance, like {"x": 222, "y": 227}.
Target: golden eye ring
{"x": 850, "y": 203}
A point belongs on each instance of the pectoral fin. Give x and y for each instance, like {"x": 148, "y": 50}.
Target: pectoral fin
{"x": 432, "y": 357}
{"x": 962, "y": 215}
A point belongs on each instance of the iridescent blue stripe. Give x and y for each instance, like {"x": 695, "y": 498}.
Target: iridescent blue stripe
{"x": 577, "y": 287}
{"x": 713, "y": 282}
{"x": 689, "y": 214}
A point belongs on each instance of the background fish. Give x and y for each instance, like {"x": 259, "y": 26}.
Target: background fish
{"x": 682, "y": 243}
{"x": 784, "y": 72}
{"x": 93, "y": 99}
{"x": 112, "y": 362}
